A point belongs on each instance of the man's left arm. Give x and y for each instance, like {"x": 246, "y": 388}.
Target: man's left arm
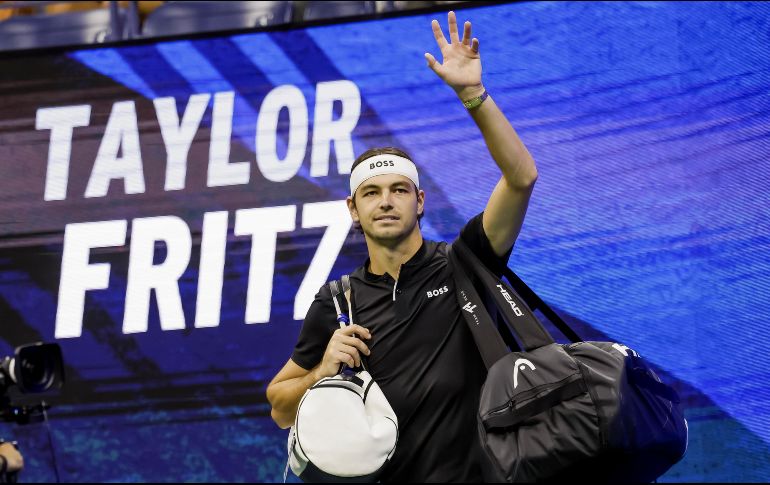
{"x": 461, "y": 70}
{"x": 504, "y": 214}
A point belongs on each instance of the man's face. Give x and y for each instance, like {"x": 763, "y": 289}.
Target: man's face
{"x": 387, "y": 207}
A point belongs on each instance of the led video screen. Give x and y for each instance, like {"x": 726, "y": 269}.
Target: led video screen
{"x": 170, "y": 209}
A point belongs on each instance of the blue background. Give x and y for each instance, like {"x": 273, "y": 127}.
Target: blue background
{"x": 649, "y": 224}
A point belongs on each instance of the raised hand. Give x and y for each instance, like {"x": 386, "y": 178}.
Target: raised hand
{"x": 461, "y": 64}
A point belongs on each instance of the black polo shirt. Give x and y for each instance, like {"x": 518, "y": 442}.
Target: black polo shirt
{"x": 422, "y": 356}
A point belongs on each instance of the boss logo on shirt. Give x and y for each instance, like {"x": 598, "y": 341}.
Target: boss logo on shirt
{"x": 438, "y": 292}
{"x": 385, "y": 163}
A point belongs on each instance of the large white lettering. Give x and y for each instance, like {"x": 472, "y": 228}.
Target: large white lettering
{"x": 145, "y": 277}
{"x": 119, "y": 160}
{"x": 263, "y": 225}
{"x": 336, "y": 217}
{"x": 119, "y": 155}
{"x": 61, "y": 122}
{"x": 273, "y": 168}
{"x": 178, "y": 137}
{"x": 78, "y": 276}
{"x": 122, "y": 133}
{"x": 211, "y": 269}
{"x": 221, "y": 171}
{"x": 326, "y": 130}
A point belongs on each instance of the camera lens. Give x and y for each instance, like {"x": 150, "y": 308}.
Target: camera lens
{"x": 38, "y": 367}
{"x": 35, "y": 372}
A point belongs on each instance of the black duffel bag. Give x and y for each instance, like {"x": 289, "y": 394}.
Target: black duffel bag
{"x": 585, "y": 410}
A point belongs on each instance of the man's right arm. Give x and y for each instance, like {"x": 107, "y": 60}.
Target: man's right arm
{"x": 286, "y": 390}
{"x": 288, "y": 386}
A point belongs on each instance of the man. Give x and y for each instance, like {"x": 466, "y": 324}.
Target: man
{"x": 418, "y": 346}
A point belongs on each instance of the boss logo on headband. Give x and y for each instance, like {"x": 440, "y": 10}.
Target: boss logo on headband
{"x": 384, "y": 163}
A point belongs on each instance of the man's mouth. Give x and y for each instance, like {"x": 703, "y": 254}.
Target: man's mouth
{"x": 386, "y": 218}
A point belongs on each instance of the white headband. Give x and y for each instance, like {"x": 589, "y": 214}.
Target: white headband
{"x": 381, "y": 165}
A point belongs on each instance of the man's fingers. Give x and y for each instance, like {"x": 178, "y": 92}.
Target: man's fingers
{"x": 346, "y": 359}
{"x": 357, "y": 330}
{"x": 357, "y": 343}
{"x": 467, "y": 33}
{"x": 438, "y": 34}
{"x": 362, "y": 331}
{"x": 475, "y": 45}
{"x": 346, "y": 346}
{"x": 343, "y": 358}
{"x": 432, "y": 62}
{"x": 453, "y": 37}
{"x": 349, "y": 355}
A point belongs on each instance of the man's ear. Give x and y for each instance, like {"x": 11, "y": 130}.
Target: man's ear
{"x": 352, "y": 209}
{"x": 420, "y": 202}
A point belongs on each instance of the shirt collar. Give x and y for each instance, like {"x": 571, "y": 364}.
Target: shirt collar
{"x": 427, "y": 248}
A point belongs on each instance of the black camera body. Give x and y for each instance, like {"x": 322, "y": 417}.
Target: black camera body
{"x": 34, "y": 368}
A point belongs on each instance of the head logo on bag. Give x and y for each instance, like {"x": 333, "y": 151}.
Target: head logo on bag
{"x": 520, "y": 364}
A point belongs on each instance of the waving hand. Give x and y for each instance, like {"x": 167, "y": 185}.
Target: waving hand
{"x": 461, "y": 64}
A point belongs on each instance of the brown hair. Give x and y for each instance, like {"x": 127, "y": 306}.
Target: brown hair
{"x": 373, "y": 152}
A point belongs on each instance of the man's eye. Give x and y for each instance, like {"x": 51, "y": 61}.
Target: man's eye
{"x": 367, "y": 194}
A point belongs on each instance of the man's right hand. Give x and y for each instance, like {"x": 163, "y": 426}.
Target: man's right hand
{"x": 288, "y": 386}
{"x": 345, "y": 347}
{"x": 12, "y": 457}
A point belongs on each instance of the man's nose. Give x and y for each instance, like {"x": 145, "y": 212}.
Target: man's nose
{"x": 385, "y": 200}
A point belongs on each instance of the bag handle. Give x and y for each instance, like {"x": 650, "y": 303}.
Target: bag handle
{"x": 342, "y": 318}
{"x": 348, "y": 292}
{"x": 339, "y": 289}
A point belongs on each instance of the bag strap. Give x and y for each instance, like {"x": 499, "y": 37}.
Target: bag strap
{"x": 342, "y": 317}
{"x": 536, "y": 303}
{"x": 519, "y": 317}
{"x": 342, "y": 296}
{"x": 348, "y": 293}
{"x": 488, "y": 340}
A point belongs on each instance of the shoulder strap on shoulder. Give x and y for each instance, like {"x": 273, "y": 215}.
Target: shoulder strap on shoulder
{"x": 347, "y": 291}
{"x": 343, "y": 301}
{"x": 336, "y": 287}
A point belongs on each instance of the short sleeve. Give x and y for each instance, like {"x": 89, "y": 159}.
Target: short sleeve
{"x": 317, "y": 329}
{"x": 475, "y": 238}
